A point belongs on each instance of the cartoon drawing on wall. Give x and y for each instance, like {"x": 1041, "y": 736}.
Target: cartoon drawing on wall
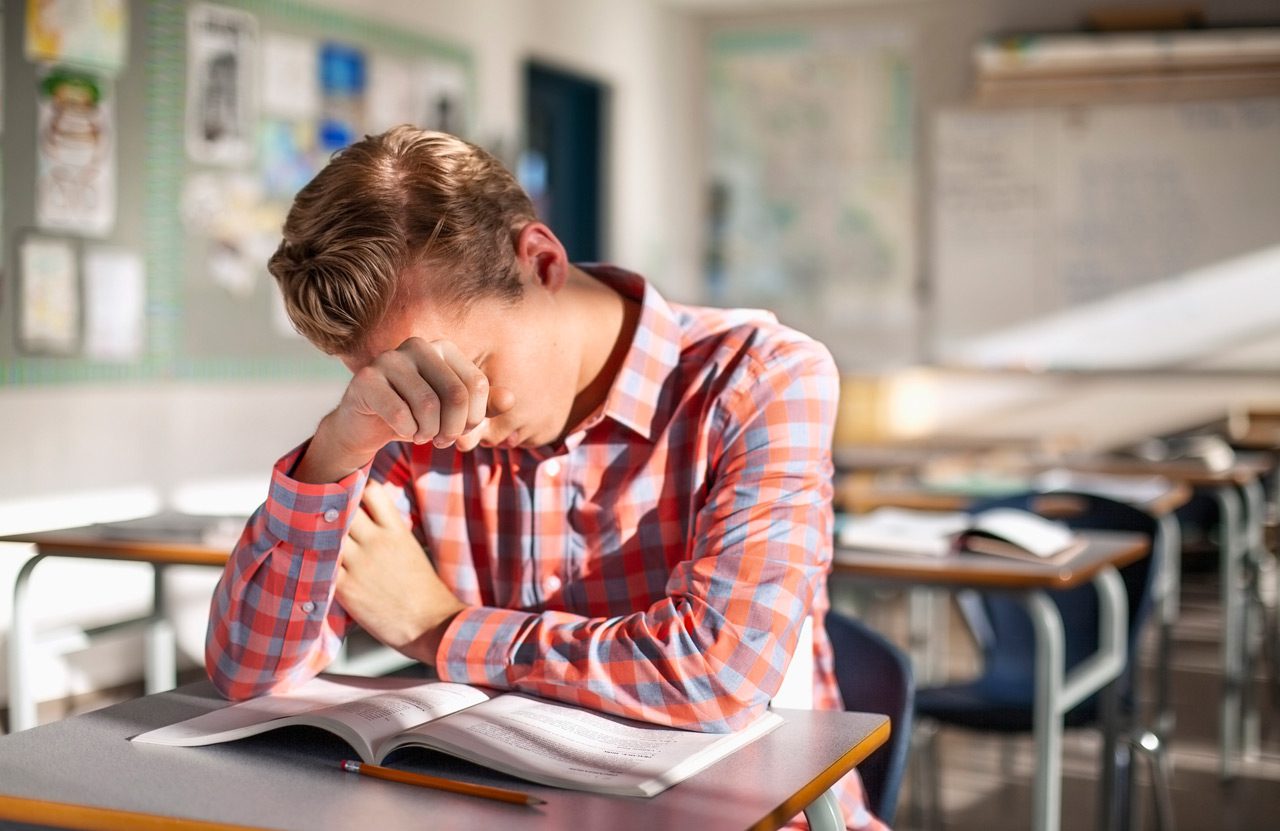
{"x": 75, "y": 153}
{"x": 49, "y": 296}
{"x": 221, "y": 105}
{"x": 90, "y": 33}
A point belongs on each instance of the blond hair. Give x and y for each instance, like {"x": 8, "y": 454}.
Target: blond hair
{"x": 386, "y": 204}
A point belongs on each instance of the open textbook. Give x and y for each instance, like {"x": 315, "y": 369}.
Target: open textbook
{"x": 1005, "y": 532}
{"x": 542, "y": 741}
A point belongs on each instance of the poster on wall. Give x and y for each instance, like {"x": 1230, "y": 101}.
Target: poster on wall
{"x": 48, "y": 296}
{"x": 391, "y": 97}
{"x": 812, "y": 202}
{"x": 342, "y": 88}
{"x": 222, "y": 44}
{"x": 442, "y": 95}
{"x": 92, "y": 33}
{"x": 75, "y": 152}
{"x": 290, "y": 77}
{"x": 114, "y": 304}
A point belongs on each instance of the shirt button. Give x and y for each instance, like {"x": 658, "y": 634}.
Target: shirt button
{"x": 308, "y": 607}
{"x": 552, "y": 467}
{"x": 551, "y": 585}
{"x": 331, "y": 515}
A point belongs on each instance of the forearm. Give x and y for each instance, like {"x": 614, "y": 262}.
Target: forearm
{"x": 686, "y": 661}
{"x": 273, "y": 622}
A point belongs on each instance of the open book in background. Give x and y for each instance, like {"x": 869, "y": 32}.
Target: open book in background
{"x": 1003, "y": 532}
{"x": 531, "y": 738}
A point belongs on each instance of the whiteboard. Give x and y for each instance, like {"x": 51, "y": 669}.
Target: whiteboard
{"x": 1106, "y": 236}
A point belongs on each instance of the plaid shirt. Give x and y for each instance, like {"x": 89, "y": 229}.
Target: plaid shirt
{"x": 658, "y": 563}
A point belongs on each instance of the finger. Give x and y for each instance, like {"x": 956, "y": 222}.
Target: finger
{"x": 362, "y": 527}
{"x": 407, "y": 374}
{"x": 470, "y": 439}
{"x": 476, "y": 381}
{"x": 381, "y": 508}
{"x": 376, "y": 396}
{"x": 451, "y": 376}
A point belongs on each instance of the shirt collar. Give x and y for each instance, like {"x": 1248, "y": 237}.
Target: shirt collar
{"x": 653, "y": 355}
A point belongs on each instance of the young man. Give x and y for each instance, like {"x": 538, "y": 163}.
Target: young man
{"x": 623, "y": 503}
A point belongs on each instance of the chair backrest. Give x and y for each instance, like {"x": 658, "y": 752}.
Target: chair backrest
{"x": 1001, "y": 623}
{"x": 875, "y": 676}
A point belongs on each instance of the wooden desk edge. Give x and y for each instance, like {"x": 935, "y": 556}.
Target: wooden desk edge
{"x": 91, "y": 818}
{"x": 145, "y": 551}
{"x": 927, "y": 571}
{"x": 823, "y": 781}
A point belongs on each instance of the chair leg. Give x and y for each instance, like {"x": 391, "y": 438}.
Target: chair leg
{"x": 1152, "y": 747}
{"x": 924, "y": 807}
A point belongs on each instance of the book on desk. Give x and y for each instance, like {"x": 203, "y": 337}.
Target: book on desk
{"x": 1001, "y": 532}
{"x": 531, "y": 738}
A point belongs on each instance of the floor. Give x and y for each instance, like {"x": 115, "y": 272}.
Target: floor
{"x": 986, "y": 780}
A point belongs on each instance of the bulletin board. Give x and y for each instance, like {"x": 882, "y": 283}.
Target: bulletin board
{"x": 1107, "y": 236}
{"x": 811, "y": 149}
{"x": 220, "y": 112}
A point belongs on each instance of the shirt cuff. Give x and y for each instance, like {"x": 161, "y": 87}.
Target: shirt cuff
{"x": 480, "y": 644}
{"x": 311, "y": 516}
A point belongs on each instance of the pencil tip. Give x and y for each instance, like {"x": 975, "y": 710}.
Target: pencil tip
{"x": 533, "y": 800}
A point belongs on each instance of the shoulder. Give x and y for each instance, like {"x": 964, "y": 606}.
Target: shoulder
{"x": 744, "y": 347}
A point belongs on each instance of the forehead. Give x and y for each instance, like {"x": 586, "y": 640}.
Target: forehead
{"x": 472, "y": 327}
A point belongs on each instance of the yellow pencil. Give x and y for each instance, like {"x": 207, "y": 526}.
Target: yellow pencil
{"x": 424, "y": 781}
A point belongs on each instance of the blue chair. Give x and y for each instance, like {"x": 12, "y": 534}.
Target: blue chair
{"x": 875, "y": 676}
{"x": 1001, "y": 698}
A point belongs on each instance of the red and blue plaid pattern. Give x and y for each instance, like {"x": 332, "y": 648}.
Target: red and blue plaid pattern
{"x": 657, "y": 564}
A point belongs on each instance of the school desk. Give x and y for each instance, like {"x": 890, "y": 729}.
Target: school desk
{"x": 1057, "y": 690}
{"x": 858, "y": 493}
{"x": 84, "y": 769}
{"x": 161, "y": 541}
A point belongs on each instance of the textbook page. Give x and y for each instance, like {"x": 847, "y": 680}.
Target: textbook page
{"x": 366, "y": 712}
{"x": 568, "y": 747}
{"x": 1012, "y": 532}
{"x": 903, "y": 529}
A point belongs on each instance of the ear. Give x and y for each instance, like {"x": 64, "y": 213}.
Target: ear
{"x": 540, "y": 255}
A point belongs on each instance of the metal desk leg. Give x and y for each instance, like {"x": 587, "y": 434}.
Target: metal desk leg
{"x": 1233, "y": 647}
{"x": 161, "y": 649}
{"x": 1171, "y": 561}
{"x": 1046, "y": 803}
{"x": 1057, "y": 692}
{"x": 22, "y": 702}
{"x": 927, "y": 650}
{"x": 824, "y": 814}
{"x": 1254, "y": 624}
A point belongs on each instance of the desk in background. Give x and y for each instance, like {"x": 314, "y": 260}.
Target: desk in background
{"x": 292, "y": 780}
{"x": 162, "y": 541}
{"x": 1056, "y": 690}
{"x": 1238, "y": 491}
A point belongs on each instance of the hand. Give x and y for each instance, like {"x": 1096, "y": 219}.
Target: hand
{"x": 387, "y": 584}
{"x": 420, "y": 391}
